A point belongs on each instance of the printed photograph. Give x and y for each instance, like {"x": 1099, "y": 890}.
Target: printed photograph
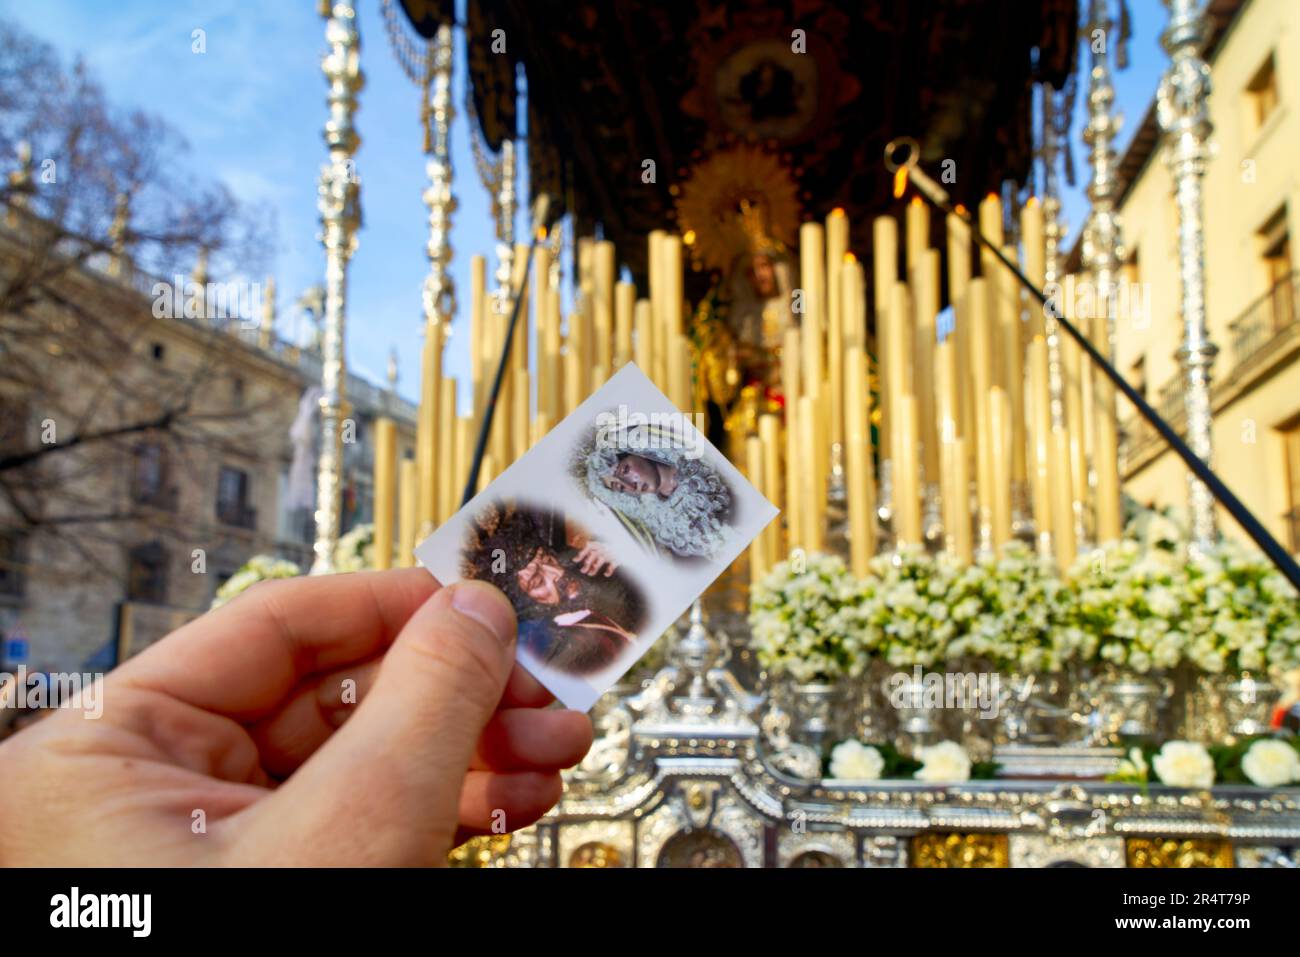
{"x": 658, "y": 484}
{"x": 579, "y": 612}
{"x": 602, "y": 534}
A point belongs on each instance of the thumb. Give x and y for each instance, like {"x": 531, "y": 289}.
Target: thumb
{"x": 396, "y": 767}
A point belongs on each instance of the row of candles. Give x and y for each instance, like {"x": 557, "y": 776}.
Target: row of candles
{"x": 969, "y": 451}
{"x": 608, "y": 328}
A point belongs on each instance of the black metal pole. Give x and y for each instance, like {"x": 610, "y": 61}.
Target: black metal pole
{"x": 935, "y": 195}
{"x": 517, "y": 297}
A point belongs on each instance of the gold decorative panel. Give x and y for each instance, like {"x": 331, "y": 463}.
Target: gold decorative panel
{"x": 1173, "y": 852}
{"x": 959, "y": 850}
{"x": 480, "y": 851}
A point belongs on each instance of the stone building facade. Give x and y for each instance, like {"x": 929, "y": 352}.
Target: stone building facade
{"x": 135, "y": 533}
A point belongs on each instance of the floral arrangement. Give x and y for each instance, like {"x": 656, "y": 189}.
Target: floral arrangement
{"x": 807, "y": 619}
{"x": 355, "y": 551}
{"x": 907, "y": 607}
{"x": 1137, "y": 604}
{"x": 1266, "y": 762}
{"x": 259, "y": 568}
{"x": 1242, "y": 615}
{"x": 1132, "y": 604}
{"x": 1012, "y": 612}
{"x": 944, "y": 763}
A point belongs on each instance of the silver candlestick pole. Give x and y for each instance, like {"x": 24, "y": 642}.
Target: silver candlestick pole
{"x": 1053, "y": 234}
{"x": 504, "y": 205}
{"x": 439, "y": 288}
{"x": 340, "y": 210}
{"x": 1183, "y": 115}
{"x": 1101, "y": 237}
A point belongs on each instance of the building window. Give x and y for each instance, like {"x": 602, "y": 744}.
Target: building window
{"x": 158, "y": 351}
{"x": 1275, "y": 242}
{"x": 13, "y": 425}
{"x": 150, "y": 472}
{"x": 1137, "y": 375}
{"x": 1291, "y": 442}
{"x": 237, "y": 392}
{"x": 146, "y": 578}
{"x": 13, "y": 562}
{"x": 233, "y": 499}
{"x": 1262, "y": 92}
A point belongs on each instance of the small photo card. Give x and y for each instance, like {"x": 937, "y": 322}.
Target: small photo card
{"x": 603, "y": 534}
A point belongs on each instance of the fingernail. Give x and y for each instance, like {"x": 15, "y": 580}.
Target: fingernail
{"x": 487, "y": 605}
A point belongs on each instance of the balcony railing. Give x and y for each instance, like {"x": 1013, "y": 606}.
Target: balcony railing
{"x": 237, "y": 514}
{"x": 162, "y": 499}
{"x": 1270, "y": 314}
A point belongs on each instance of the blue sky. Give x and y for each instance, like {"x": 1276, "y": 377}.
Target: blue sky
{"x": 253, "y": 105}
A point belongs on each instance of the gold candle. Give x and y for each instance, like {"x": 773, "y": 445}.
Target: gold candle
{"x": 794, "y": 476}
{"x": 812, "y": 264}
{"x": 624, "y": 304}
{"x": 385, "y": 480}
{"x": 408, "y": 516}
{"x": 884, "y": 241}
{"x": 758, "y": 554}
{"x": 813, "y": 504}
{"x": 1040, "y": 441}
{"x": 1000, "y": 452}
{"x": 791, "y": 363}
{"x": 769, "y": 431}
{"x": 898, "y": 361}
{"x": 643, "y": 319}
{"x": 884, "y": 231}
{"x": 548, "y": 368}
{"x": 836, "y": 238}
{"x": 521, "y": 418}
{"x": 1106, "y": 449}
{"x": 907, "y": 486}
{"x": 573, "y": 380}
{"x": 918, "y": 231}
{"x": 541, "y": 425}
{"x": 1013, "y": 365}
{"x": 981, "y": 371}
{"x": 925, "y": 287}
{"x": 427, "y": 423}
{"x": 959, "y": 276}
{"x": 479, "y": 345}
{"x": 990, "y": 222}
{"x": 603, "y": 278}
{"x": 1032, "y": 236}
{"x": 853, "y": 292}
{"x": 658, "y": 368}
{"x": 1072, "y": 374}
{"x": 861, "y": 481}
{"x": 446, "y": 449}
{"x": 1063, "y": 537}
{"x": 956, "y": 498}
{"x": 466, "y": 436}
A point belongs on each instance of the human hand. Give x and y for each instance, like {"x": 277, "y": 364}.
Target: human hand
{"x": 241, "y": 720}
{"x": 593, "y": 557}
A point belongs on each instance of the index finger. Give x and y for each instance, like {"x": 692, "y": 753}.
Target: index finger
{"x": 242, "y": 659}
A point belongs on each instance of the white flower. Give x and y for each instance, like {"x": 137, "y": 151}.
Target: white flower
{"x": 1271, "y": 763}
{"x": 1138, "y": 761}
{"x": 946, "y": 762}
{"x": 854, "y": 761}
{"x": 1184, "y": 764}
